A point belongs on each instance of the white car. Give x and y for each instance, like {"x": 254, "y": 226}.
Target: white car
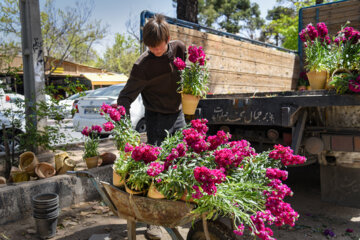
{"x": 67, "y": 105}
{"x": 88, "y": 109}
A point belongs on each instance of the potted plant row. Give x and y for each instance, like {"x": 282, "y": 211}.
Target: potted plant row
{"x": 332, "y": 62}
{"x": 222, "y": 177}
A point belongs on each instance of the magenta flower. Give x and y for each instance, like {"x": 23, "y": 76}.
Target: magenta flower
{"x": 108, "y": 126}
{"x": 128, "y": 148}
{"x": 179, "y": 63}
{"x": 146, "y": 153}
{"x": 240, "y": 230}
{"x": 322, "y": 29}
{"x": 354, "y": 85}
{"x": 154, "y": 169}
{"x": 96, "y": 128}
{"x": 114, "y": 114}
{"x": 285, "y": 154}
{"x": 86, "y": 131}
{"x": 275, "y": 173}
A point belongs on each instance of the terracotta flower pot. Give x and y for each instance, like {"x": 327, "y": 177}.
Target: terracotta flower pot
{"x": 107, "y": 158}
{"x": 154, "y": 193}
{"x": 92, "y": 162}
{"x": 118, "y": 181}
{"x": 28, "y": 162}
{"x": 133, "y": 192}
{"x": 44, "y": 170}
{"x": 189, "y": 103}
{"x": 184, "y": 197}
{"x": 59, "y": 160}
{"x": 317, "y": 80}
{"x": 19, "y": 176}
{"x": 68, "y": 165}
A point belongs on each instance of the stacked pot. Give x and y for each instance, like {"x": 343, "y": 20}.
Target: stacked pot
{"x": 46, "y": 212}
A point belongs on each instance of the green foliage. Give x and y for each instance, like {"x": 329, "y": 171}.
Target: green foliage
{"x": 91, "y": 145}
{"x": 194, "y": 80}
{"x": 317, "y": 56}
{"x": 340, "y": 81}
{"x": 121, "y": 56}
{"x": 232, "y": 15}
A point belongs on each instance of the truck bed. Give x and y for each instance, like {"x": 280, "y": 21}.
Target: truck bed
{"x": 268, "y": 108}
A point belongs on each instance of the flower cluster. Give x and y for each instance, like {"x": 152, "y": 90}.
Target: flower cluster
{"x": 194, "y": 78}
{"x": 197, "y": 55}
{"x": 285, "y": 154}
{"x": 218, "y": 174}
{"x": 115, "y": 113}
{"x": 347, "y": 35}
{"x": 316, "y": 41}
{"x": 119, "y": 124}
{"x": 354, "y": 84}
{"x": 155, "y": 168}
{"x": 146, "y": 153}
{"x": 208, "y": 178}
{"x": 275, "y": 173}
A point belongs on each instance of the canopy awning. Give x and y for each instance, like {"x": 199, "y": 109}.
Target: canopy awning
{"x": 105, "y": 78}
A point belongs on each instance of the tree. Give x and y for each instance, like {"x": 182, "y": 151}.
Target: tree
{"x": 66, "y": 33}
{"x": 187, "y": 10}
{"x": 69, "y": 32}
{"x": 284, "y": 21}
{"x": 234, "y": 16}
{"x": 121, "y": 56}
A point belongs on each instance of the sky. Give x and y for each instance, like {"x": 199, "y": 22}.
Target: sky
{"x": 115, "y": 13}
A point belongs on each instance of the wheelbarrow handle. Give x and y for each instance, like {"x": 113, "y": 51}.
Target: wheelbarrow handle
{"x": 98, "y": 187}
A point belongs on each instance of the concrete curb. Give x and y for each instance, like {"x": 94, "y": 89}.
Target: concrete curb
{"x": 15, "y": 199}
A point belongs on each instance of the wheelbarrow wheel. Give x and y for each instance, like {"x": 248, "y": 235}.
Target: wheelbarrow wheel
{"x": 217, "y": 231}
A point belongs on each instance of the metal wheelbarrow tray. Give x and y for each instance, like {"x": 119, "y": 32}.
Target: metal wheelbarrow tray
{"x": 161, "y": 212}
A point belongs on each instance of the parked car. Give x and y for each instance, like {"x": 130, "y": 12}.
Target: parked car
{"x": 10, "y": 112}
{"x": 67, "y": 105}
{"x": 88, "y": 109}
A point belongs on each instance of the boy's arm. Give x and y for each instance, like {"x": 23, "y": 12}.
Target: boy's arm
{"x": 135, "y": 84}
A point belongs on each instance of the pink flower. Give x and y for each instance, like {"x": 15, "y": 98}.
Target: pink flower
{"x": 105, "y": 108}
{"x": 240, "y": 230}
{"x": 114, "y": 114}
{"x": 146, "y": 153}
{"x": 154, "y": 169}
{"x": 108, "y": 126}
{"x": 275, "y": 173}
{"x": 86, "y": 131}
{"x": 179, "y": 63}
{"x": 208, "y": 178}
{"x": 322, "y": 29}
{"x": 198, "y": 194}
{"x": 285, "y": 154}
{"x": 219, "y": 139}
{"x": 96, "y": 128}
{"x": 128, "y": 148}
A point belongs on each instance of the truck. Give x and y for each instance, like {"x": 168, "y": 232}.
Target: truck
{"x": 252, "y": 96}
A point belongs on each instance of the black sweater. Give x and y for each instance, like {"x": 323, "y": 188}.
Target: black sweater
{"x": 156, "y": 79}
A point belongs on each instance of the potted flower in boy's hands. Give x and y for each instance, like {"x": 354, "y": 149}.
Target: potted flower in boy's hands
{"x": 194, "y": 79}
{"x": 317, "y": 54}
{"x": 91, "y": 144}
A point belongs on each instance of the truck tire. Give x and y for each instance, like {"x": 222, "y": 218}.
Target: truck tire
{"x": 141, "y": 126}
{"x": 217, "y": 231}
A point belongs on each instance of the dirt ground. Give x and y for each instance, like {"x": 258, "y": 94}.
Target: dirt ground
{"x": 317, "y": 217}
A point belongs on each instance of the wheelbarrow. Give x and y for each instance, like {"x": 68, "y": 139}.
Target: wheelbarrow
{"x": 161, "y": 212}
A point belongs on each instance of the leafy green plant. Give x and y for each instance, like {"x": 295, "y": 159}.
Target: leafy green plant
{"x": 91, "y": 143}
{"x": 317, "y": 47}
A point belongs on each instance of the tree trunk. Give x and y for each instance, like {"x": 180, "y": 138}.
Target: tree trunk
{"x": 187, "y": 10}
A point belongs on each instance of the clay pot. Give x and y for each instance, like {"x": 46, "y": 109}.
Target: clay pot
{"x": 154, "y": 193}
{"x": 133, "y": 192}
{"x": 107, "y": 158}
{"x": 68, "y": 165}
{"x": 118, "y": 181}
{"x": 93, "y": 162}
{"x": 184, "y": 196}
{"x": 2, "y": 180}
{"x": 317, "y": 80}
{"x": 45, "y": 170}
{"x": 189, "y": 103}
{"x": 59, "y": 160}
{"x": 19, "y": 176}
{"x": 28, "y": 162}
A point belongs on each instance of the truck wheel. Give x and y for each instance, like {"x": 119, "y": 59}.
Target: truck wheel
{"x": 141, "y": 126}
{"x": 217, "y": 231}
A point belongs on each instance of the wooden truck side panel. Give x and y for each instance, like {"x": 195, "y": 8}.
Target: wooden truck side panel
{"x": 241, "y": 67}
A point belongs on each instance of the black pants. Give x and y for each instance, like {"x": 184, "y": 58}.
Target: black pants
{"x": 157, "y": 123}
